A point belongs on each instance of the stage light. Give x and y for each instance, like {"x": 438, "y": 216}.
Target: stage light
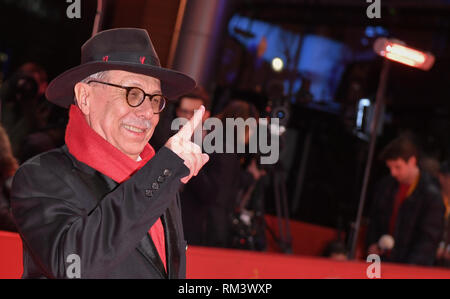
{"x": 277, "y": 64}
{"x": 397, "y": 51}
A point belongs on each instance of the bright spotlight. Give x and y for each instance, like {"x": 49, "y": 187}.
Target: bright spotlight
{"x": 277, "y": 64}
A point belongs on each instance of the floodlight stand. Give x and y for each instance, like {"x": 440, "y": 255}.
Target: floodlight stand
{"x": 379, "y": 102}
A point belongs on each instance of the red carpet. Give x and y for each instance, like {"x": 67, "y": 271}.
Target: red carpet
{"x": 211, "y": 263}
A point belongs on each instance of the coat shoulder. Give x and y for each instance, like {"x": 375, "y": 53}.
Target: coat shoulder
{"x": 50, "y": 159}
{"x": 43, "y": 170}
{"x": 431, "y": 186}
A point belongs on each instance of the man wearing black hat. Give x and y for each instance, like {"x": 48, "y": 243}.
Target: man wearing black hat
{"x": 105, "y": 205}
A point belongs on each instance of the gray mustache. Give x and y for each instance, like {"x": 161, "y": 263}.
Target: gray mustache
{"x": 145, "y": 124}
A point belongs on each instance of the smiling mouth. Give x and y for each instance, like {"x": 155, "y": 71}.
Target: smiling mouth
{"x": 134, "y": 129}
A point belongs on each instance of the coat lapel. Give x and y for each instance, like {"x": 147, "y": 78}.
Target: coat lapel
{"x": 148, "y": 249}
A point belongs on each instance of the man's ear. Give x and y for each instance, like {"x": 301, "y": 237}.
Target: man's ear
{"x": 82, "y": 95}
{"x": 412, "y": 160}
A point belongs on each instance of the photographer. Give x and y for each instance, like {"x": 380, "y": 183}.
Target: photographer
{"x": 33, "y": 124}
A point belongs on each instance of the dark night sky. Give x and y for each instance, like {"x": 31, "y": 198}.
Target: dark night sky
{"x": 40, "y": 31}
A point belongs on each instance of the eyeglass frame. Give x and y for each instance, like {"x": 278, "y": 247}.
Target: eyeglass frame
{"x": 129, "y": 88}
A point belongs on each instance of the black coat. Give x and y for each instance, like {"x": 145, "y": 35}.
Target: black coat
{"x": 64, "y": 207}
{"x": 419, "y": 224}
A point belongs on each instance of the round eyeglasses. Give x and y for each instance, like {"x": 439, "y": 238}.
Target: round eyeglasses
{"x": 135, "y": 96}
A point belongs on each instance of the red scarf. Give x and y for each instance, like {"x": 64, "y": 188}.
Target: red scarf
{"x": 92, "y": 149}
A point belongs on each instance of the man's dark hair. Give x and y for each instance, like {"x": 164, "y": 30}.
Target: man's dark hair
{"x": 238, "y": 108}
{"x": 197, "y": 93}
{"x": 401, "y": 147}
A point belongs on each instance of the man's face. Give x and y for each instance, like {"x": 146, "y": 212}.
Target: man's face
{"x": 401, "y": 170}
{"x": 188, "y": 106}
{"x": 127, "y": 128}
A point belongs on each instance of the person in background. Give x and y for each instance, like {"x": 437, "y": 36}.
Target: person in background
{"x": 8, "y": 166}
{"x": 408, "y": 206}
{"x": 24, "y": 109}
{"x": 184, "y": 107}
{"x": 188, "y": 103}
{"x": 33, "y": 124}
{"x": 222, "y": 180}
{"x": 194, "y": 202}
{"x": 443, "y": 253}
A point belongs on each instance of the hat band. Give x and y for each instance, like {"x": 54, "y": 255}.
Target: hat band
{"x": 134, "y": 58}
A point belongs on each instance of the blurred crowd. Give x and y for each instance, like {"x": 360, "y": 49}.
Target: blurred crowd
{"x": 409, "y": 215}
{"x": 29, "y": 125}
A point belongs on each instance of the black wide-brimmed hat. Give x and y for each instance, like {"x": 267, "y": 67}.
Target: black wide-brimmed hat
{"x": 127, "y": 49}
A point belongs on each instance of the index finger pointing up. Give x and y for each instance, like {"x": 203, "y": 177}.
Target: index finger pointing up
{"x": 188, "y": 129}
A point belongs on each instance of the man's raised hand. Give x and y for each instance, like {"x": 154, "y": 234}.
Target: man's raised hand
{"x": 191, "y": 153}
